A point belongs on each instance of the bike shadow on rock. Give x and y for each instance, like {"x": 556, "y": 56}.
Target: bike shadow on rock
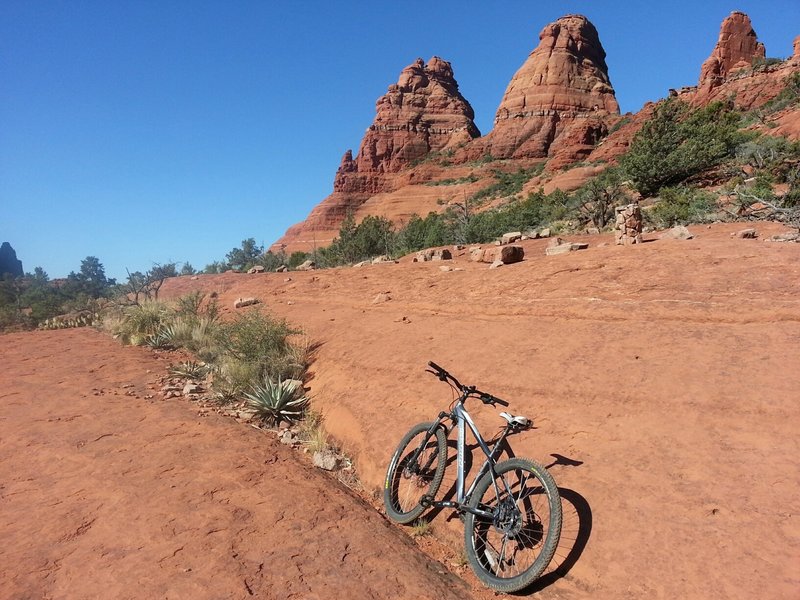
{"x": 576, "y": 529}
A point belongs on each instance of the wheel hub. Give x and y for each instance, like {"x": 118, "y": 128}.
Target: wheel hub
{"x": 508, "y": 519}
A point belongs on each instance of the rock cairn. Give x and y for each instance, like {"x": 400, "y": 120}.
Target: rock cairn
{"x": 628, "y": 227}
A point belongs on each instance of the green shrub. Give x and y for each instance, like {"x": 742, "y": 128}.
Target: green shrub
{"x": 506, "y": 184}
{"x": 681, "y": 206}
{"x": 254, "y": 338}
{"x": 141, "y": 321}
{"x": 678, "y": 142}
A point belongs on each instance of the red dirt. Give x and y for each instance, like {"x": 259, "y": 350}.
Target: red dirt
{"x": 662, "y": 380}
{"x": 106, "y": 494}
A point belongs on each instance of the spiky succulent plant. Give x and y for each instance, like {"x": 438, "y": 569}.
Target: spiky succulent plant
{"x": 189, "y": 369}
{"x": 278, "y": 401}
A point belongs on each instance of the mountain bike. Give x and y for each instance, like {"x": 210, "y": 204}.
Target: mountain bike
{"x": 511, "y": 510}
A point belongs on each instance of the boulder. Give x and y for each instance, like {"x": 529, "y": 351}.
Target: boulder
{"x": 256, "y": 269}
{"x": 510, "y": 254}
{"x": 509, "y": 238}
{"x": 282, "y": 269}
{"x": 442, "y": 254}
{"x": 679, "y": 232}
{"x": 308, "y": 265}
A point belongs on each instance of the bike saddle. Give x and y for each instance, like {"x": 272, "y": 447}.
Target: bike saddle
{"x": 518, "y": 421}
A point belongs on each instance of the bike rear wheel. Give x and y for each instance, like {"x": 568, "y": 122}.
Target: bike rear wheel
{"x": 409, "y": 479}
{"x": 510, "y": 550}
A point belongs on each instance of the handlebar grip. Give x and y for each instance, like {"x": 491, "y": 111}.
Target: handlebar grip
{"x": 489, "y": 399}
{"x": 434, "y": 366}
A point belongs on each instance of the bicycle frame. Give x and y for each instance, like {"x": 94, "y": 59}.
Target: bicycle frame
{"x": 462, "y": 420}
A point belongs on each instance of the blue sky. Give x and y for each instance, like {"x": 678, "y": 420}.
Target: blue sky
{"x": 143, "y": 132}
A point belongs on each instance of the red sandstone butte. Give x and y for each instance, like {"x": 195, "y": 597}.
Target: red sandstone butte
{"x": 736, "y": 48}
{"x": 422, "y": 113}
{"x": 556, "y": 102}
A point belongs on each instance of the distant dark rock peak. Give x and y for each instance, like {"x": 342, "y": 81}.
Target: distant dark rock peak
{"x": 9, "y": 264}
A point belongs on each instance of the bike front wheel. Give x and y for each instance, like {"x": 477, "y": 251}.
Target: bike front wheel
{"x": 510, "y": 547}
{"x": 416, "y": 470}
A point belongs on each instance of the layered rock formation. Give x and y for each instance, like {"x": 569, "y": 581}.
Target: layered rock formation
{"x": 422, "y": 113}
{"x": 558, "y": 106}
{"x": 9, "y": 263}
{"x": 736, "y": 49}
{"x": 556, "y": 102}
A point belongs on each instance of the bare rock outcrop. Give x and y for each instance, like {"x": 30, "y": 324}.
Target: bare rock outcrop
{"x": 556, "y": 102}
{"x": 422, "y": 113}
{"x": 736, "y": 49}
{"x": 9, "y": 263}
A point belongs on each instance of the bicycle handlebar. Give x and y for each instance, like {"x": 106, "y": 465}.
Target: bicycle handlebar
{"x": 466, "y": 390}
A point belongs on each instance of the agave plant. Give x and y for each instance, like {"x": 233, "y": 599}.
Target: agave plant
{"x": 189, "y": 369}
{"x": 275, "y": 402}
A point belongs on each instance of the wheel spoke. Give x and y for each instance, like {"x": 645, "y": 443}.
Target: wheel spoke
{"x": 511, "y": 549}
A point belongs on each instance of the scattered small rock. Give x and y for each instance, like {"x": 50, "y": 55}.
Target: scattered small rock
{"x": 381, "y": 298}
{"x": 245, "y": 414}
{"x": 326, "y": 460}
{"x": 496, "y": 264}
{"x": 383, "y": 259}
{"x": 476, "y": 254}
{"x": 242, "y": 302}
{"x": 748, "y": 234}
{"x": 445, "y": 268}
{"x": 558, "y": 249}
{"x": 256, "y": 269}
{"x": 784, "y": 237}
{"x": 282, "y": 269}
{"x": 191, "y": 388}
